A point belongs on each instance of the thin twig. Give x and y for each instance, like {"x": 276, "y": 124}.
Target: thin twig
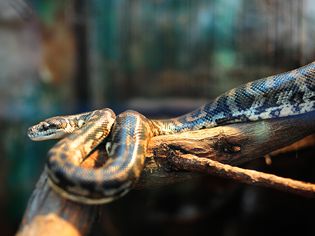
{"x": 190, "y": 162}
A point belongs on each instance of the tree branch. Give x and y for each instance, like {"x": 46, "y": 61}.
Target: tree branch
{"x": 197, "y": 151}
{"x": 232, "y": 144}
{"x": 49, "y": 214}
{"x": 193, "y": 163}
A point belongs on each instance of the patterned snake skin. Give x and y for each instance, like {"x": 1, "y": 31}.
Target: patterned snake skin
{"x": 127, "y": 135}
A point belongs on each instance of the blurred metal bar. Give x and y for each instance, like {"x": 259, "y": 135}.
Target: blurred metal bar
{"x": 81, "y": 80}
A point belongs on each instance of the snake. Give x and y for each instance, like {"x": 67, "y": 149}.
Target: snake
{"x": 126, "y": 135}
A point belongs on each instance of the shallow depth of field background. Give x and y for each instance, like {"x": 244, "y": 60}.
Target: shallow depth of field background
{"x": 161, "y": 58}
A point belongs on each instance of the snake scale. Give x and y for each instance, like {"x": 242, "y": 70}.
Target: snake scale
{"x": 127, "y": 134}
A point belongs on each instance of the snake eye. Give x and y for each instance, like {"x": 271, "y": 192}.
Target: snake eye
{"x": 108, "y": 147}
{"x": 47, "y": 126}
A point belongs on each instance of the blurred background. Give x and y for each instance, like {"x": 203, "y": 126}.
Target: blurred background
{"x": 161, "y": 58}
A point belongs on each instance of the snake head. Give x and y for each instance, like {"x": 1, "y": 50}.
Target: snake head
{"x": 52, "y": 128}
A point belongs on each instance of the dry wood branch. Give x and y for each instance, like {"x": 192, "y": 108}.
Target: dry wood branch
{"x": 239, "y": 143}
{"x": 48, "y": 214}
{"x": 232, "y": 144}
{"x": 192, "y": 163}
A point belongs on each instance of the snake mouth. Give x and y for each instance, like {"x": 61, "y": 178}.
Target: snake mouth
{"x": 37, "y": 135}
{"x": 40, "y": 136}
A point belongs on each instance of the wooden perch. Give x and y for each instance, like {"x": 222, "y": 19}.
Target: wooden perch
{"x": 232, "y": 144}
{"x": 48, "y": 214}
{"x": 198, "y": 151}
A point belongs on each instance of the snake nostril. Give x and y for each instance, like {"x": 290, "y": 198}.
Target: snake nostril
{"x": 30, "y": 131}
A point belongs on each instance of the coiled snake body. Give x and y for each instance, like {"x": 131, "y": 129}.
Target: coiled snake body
{"x": 286, "y": 94}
